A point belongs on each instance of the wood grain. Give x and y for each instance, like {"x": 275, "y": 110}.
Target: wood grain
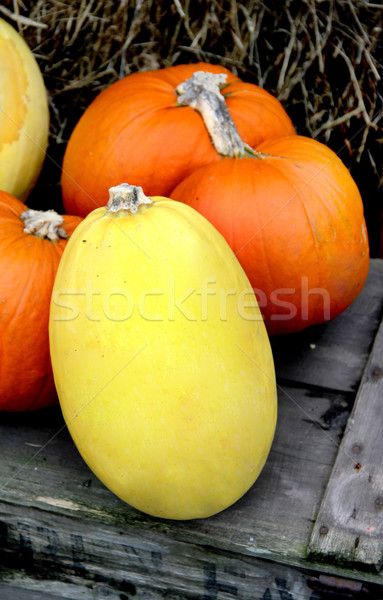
{"x": 349, "y": 527}
{"x": 124, "y": 563}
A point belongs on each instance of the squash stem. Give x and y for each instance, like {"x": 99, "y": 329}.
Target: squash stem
{"x": 126, "y": 197}
{"x": 203, "y": 93}
{"x": 45, "y": 224}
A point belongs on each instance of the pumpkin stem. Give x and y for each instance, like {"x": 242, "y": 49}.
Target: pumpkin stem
{"x": 203, "y": 93}
{"x": 126, "y": 197}
{"x": 43, "y": 224}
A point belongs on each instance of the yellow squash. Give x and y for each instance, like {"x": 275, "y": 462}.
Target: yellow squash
{"x": 24, "y": 115}
{"x": 161, "y": 359}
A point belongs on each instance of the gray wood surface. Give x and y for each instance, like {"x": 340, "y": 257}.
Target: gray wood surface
{"x": 56, "y": 516}
{"x": 349, "y": 527}
{"x": 124, "y": 563}
{"x": 273, "y": 519}
{"x": 333, "y": 355}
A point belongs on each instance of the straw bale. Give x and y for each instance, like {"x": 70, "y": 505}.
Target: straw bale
{"x": 321, "y": 58}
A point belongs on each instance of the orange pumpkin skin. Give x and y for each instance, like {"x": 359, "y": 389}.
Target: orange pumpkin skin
{"x": 295, "y": 221}
{"x": 28, "y": 267}
{"x": 134, "y": 131}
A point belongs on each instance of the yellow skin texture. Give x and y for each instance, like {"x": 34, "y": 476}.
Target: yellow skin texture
{"x": 24, "y": 115}
{"x": 173, "y": 407}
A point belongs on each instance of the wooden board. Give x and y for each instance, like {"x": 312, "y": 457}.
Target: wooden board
{"x": 51, "y": 476}
{"x": 192, "y": 574}
{"x": 58, "y": 518}
{"x": 141, "y": 563}
{"x": 349, "y": 527}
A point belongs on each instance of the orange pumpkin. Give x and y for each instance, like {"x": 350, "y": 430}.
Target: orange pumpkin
{"x": 31, "y": 245}
{"x": 137, "y": 131}
{"x": 294, "y": 218}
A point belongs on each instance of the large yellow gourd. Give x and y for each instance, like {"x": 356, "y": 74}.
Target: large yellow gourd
{"x": 24, "y": 115}
{"x": 161, "y": 359}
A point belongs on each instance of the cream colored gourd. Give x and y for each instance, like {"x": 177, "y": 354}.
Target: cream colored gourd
{"x": 24, "y": 115}
{"x": 161, "y": 359}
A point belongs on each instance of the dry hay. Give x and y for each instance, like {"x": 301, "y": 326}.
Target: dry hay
{"x": 321, "y": 58}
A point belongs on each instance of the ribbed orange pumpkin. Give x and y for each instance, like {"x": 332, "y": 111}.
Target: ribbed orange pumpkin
{"x": 137, "y": 131}
{"x": 28, "y": 265}
{"x": 294, "y": 218}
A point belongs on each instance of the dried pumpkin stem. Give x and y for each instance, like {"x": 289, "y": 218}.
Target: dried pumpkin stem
{"x": 126, "y": 197}
{"x": 44, "y": 224}
{"x": 203, "y": 93}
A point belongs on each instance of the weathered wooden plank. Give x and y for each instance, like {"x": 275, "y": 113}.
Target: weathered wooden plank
{"x": 25, "y": 588}
{"x": 273, "y": 520}
{"x": 349, "y": 527}
{"x": 334, "y": 355}
{"x": 91, "y": 564}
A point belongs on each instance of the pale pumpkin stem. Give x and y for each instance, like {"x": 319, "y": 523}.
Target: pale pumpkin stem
{"x": 44, "y": 224}
{"x": 203, "y": 93}
{"x": 126, "y": 197}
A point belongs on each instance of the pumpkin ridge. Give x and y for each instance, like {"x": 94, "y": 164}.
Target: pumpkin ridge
{"x": 320, "y": 266}
{"x": 260, "y": 229}
{"x": 116, "y": 142}
{"x": 247, "y": 98}
{"x": 297, "y": 194}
